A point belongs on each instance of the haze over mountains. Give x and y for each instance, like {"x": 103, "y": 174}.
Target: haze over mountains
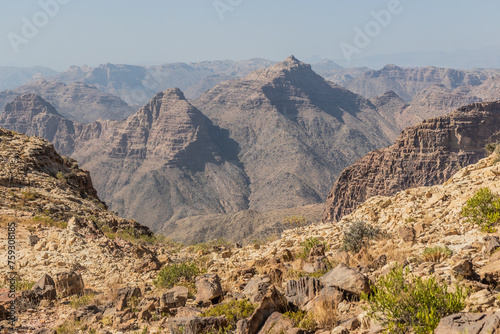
{"x": 259, "y": 141}
{"x": 77, "y": 101}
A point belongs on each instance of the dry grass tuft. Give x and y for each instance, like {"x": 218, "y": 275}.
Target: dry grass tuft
{"x": 326, "y": 313}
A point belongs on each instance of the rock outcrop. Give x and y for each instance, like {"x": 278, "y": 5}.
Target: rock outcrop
{"x": 424, "y": 155}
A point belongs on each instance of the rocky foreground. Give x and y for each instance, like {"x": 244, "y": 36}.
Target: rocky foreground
{"x": 97, "y": 273}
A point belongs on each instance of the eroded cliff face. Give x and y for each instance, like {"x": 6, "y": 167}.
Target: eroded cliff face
{"x": 426, "y": 154}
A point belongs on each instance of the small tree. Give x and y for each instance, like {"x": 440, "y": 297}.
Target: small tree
{"x": 483, "y": 209}
{"x": 357, "y": 234}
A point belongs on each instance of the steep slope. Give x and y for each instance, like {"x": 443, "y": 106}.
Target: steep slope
{"x": 425, "y": 154}
{"x": 295, "y": 130}
{"x": 406, "y": 82}
{"x": 164, "y": 163}
{"x": 276, "y": 139}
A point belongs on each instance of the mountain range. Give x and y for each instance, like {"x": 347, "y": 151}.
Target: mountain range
{"x": 248, "y": 149}
{"x": 276, "y": 139}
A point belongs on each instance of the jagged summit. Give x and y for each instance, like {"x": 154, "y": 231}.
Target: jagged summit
{"x": 290, "y": 66}
{"x": 391, "y": 67}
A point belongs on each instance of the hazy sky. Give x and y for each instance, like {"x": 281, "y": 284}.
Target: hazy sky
{"x": 161, "y": 31}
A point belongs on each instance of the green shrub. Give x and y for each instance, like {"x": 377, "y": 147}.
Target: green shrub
{"x": 302, "y": 319}
{"x": 436, "y": 254}
{"x": 61, "y": 176}
{"x": 401, "y": 302}
{"x": 308, "y": 245}
{"x": 483, "y": 209}
{"x": 48, "y": 221}
{"x": 170, "y": 275}
{"x": 77, "y": 302}
{"x": 490, "y": 148}
{"x": 296, "y": 222}
{"x": 358, "y": 234}
{"x": 233, "y": 310}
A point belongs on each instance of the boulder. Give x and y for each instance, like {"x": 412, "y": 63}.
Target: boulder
{"x": 318, "y": 250}
{"x": 68, "y": 284}
{"x": 256, "y": 288}
{"x": 491, "y": 244}
{"x": 315, "y": 263}
{"x": 346, "y": 279}
{"x": 124, "y": 296}
{"x": 275, "y": 274}
{"x": 74, "y": 225}
{"x": 481, "y": 300}
{"x": 208, "y": 288}
{"x": 43, "y": 282}
{"x": 85, "y": 312}
{"x": 45, "y": 288}
{"x": 174, "y": 298}
{"x": 302, "y": 291}
{"x": 196, "y": 325}
{"x": 351, "y": 324}
{"x": 490, "y": 273}
{"x": 276, "y": 323}
{"x": 147, "y": 263}
{"x": 470, "y": 323}
{"x": 465, "y": 269}
{"x": 273, "y": 301}
{"x": 407, "y": 233}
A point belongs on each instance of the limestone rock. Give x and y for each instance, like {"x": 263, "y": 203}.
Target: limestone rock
{"x": 256, "y": 288}
{"x": 68, "y": 284}
{"x": 174, "y": 298}
{"x": 302, "y": 291}
{"x": 195, "y": 325}
{"x": 208, "y": 288}
{"x": 471, "y": 323}
{"x": 346, "y": 279}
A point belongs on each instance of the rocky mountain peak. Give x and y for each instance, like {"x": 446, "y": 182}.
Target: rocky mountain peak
{"x": 289, "y": 68}
{"x": 391, "y": 67}
{"x": 32, "y": 102}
